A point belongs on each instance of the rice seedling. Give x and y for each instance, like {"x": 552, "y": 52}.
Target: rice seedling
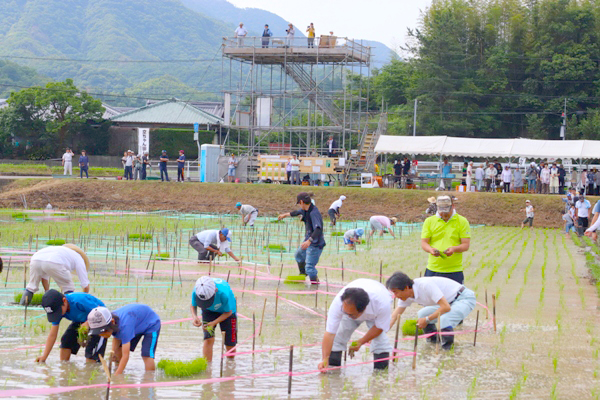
{"x": 294, "y": 279}
{"x": 275, "y": 247}
{"x": 138, "y": 236}
{"x": 409, "y": 326}
{"x": 337, "y": 234}
{"x": 56, "y": 242}
{"x": 19, "y": 215}
{"x": 83, "y": 335}
{"x": 35, "y": 301}
{"x": 181, "y": 369}
{"x": 162, "y": 256}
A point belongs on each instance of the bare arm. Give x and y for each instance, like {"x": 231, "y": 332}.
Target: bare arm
{"x": 221, "y": 318}
{"x": 326, "y": 347}
{"x": 233, "y": 256}
{"x": 461, "y": 248}
{"x": 428, "y": 249}
{"x": 125, "y": 349}
{"x": 444, "y": 308}
{"x": 196, "y": 321}
{"x": 52, "y": 335}
{"x": 396, "y": 314}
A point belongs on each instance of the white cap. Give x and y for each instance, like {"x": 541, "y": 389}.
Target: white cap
{"x": 342, "y": 197}
{"x": 99, "y": 319}
{"x": 205, "y": 290}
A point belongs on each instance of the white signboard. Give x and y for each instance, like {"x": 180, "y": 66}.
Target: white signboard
{"x": 143, "y": 140}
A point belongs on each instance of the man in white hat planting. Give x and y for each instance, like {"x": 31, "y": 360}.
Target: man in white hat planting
{"x": 57, "y": 262}
{"x": 217, "y": 302}
{"x": 334, "y": 209}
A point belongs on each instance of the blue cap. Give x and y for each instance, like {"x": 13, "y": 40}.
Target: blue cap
{"x": 164, "y": 151}
{"x": 238, "y": 204}
{"x": 225, "y": 232}
{"x": 360, "y": 231}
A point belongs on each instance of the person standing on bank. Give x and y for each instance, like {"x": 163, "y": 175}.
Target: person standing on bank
{"x": 479, "y": 176}
{"x": 57, "y": 262}
{"x": 145, "y": 164}
{"x": 362, "y": 300}
{"x": 334, "y": 209}
{"x": 266, "y": 36}
{"x": 211, "y": 243}
{"x": 217, "y": 302}
{"x": 469, "y": 175}
{"x": 441, "y": 297}
{"x": 307, "y": 255}
{"x": 288, "y": 170}
{"x": 583, "y": 212}
{"x": 162, "y": 166}
{"x": 232, "y": 164}
{"x": 84, "y": 163}
{"x": 75, "y": 307}
{"x": 67, "y": 162}
{"x": 506, "y": 178}
{"x": 311, "y": 35}
{"x": 445, "y": 236}
{"x": 295, "y": 163}
{"x": 180, "y": 167}
{"x": 248, "y": 213}
{"x": 129, "y": 165}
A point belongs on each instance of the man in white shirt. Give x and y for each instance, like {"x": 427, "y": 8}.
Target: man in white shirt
{"x": 490, "y": 175}
{"x": 441, "y": 297}
{"x": 506, "y": 178}
{"x": 529, "y": 214}
{"x": 334, "y": 209}
{"x": 583, "y": 212}
{"x": 211, "y": 243}
{"x": 129, "y": 165}
{"x": 362, "y": 300}
{"x": 57, "y": 262}
{"x": 295, "y": 163}
{"x": 240, "y": 34}
{"x": 248, "y": 213}
{"x": 67, "y": 162}
{"x": 479, "y": 174}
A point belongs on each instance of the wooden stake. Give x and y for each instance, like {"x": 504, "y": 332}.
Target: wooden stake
{"x": 7, "y": 271}
{"x": 476, "y": 325}
{"x": 244, "y": 287}
{"x": 494, "y": 310}
{"x": 316, "y": 298}
{"x": 262, "y": 318}
{"x": 276, "y": 300}
{"x": 228, "y": 273}
{"x": 107, "y": 372}
{"x": 173, "y": 274}
{"x": 24, "y": 274}
{"x": 153, "y": 264}
{"x": 486, "y": 305}
{"x": 291, "y": 368}
{"x": 127, "y": 266}
{"x": 137, "y": 289}
{"x": 280, "y": 272}
{"x": 380, "y": 271}
{"x": 149, "y": 259}
{"x": 342, "y": 270}
{"x": 439, "y": 338}
{"x": 414, "y": 364}
{"x": 253, "y": 333}
{"x": 397, "y": 334}
{"x": 254, "y": 281}
{"x": 222, "y": 351}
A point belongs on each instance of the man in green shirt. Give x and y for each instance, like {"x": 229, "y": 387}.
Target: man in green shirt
{"x": 445, "y": 236}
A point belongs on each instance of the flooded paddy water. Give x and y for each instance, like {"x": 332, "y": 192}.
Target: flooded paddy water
{"x": 546, "y": 343}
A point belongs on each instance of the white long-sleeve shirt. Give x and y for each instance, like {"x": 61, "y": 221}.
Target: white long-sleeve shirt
{"x": 506, "y": 176}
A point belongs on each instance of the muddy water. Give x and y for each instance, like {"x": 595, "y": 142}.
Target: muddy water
{"x": 546, "y": 343}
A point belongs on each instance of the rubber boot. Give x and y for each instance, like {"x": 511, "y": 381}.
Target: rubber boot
{"x": 314, "y": 281}
{"x": 381, "y": 365}
{"x": 26, "y": 298}
{"x": 431, "y": 328}
{"x": 447, "y": 340}
{"x": 335, "y": 359}
{"x": 302, "y": 268}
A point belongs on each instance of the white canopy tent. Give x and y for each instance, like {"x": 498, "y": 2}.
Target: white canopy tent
{"x": 471, "y": 147}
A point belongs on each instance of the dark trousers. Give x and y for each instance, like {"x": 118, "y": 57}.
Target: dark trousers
{"x": 128, "y": 172}
{"x": 203, "y": 254}
{"x": 180, "y": 174}
{"x": 455, "y": 276}
{"x": 163, "y": 170}
{"x": 265, "y": 42}
{"x": 561, "y": 185}
{"x": 583, "y": 225}
{"x": 332, "y": 216}
{"x": 488, "y": 185}
{"x": 289, "y": 174}
{"x": 506, "y": 187}
{"x": 82, "y": 170}
{"x": 143, "y": 172}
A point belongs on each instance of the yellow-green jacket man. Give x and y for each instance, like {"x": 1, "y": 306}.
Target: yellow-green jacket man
{"x": 445, "y": 236}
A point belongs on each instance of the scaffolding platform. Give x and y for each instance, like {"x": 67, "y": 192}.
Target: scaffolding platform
{"x": 326, "y": 49}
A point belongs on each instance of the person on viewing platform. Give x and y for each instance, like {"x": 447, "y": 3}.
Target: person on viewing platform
{"x": 398, "y": 168}
{"x": 288, "y": 170}
{"x": 506, "y": 178}
{"x": 218, "y": 306}
{"x": 311, "y": 35}
{"x": 75, "y": 307}
{"x": 266, "y": 36}
{"x": 84, "y": 163}
{"x": 128, "y": 326}
{"x": 248, "y": 213}
{"x": 479, "y": 177}
{"x": 362, "y": 300}
{"x": 440, "y": 297}
{"x": 295, "y": 165}
{"x": 574, "y": 178}
{"x": 67, "y": 162}
{"x": 180, "y": 166}
{"x": 240, "y": 34}
{"x": 445, "y": 236}
{"x": 162, "y": 166}
{"x": 464, "y": 174}
{"x": 331, "y": 145}
{"x": 583, "y": 180}
{"x": 232, "y": 164}
{"x": 529, "y": 214}
{"x": 382, "y": 224}
{"x": 554, "y": 172}
{"x": 290, "y": 35}
{"x": 545, "y": 179}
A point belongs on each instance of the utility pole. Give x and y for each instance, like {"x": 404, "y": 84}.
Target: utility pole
{"x": 563, "y": 127}
{"x": 415, "y": 120}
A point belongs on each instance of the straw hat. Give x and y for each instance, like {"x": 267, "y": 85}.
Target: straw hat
{"x": 394, "y": 220}
{"x": 431, "y": 199}
{"x": 75, "y": 248}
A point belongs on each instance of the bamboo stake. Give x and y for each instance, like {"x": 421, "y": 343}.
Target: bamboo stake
{"x": 342, "y": 270}
{"x": 153, "y": 264}
{"x": 414, "y": 363}
{"x": 244, "y": 287}
{"x": 24, "y": 274}
{"x": 107, "y": 372}
{"x": 254, "y": 281}
{"x": 291, "y": 368}
{"x": 439, "y": 337}
{"x": 486, "y": 305}
{"x": 380, "y": 271}
{"x": 173, "y": 274}
{"x": 276, "y": 300}
{"x": 476, "y": 325}
{"x": 494, "y": 310}
{"x": 222, "y": 351}
{"x": 127, "y": 265}
{"x": 7, "y": 271}
{"x": 179, "y": 269}
{"x": 262, "y": 318}
{"x": 228, "y": 273}
{"x": 149, "y": 259}
{"x": 253, "y": 333}
{"x": 398, "y": 334}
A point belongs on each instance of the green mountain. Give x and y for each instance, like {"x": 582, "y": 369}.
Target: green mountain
{"x": 13, "y": 77}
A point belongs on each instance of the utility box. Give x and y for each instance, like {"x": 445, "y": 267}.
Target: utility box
{"x": 209, "y": 162}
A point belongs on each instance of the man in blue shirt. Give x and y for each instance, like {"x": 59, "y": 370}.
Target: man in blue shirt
{"x": 84, "y": 163}
{"x": 307, "y": 255}
{"x": 75, "y": 307}
{"x": 128, "y": 325}
{"x": 162, "y": 166}
{"x": 217, "y": 302}
{"x": 180, "y": 166}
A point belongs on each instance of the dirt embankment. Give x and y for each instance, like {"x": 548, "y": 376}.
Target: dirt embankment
{"x": 407, "y": 205}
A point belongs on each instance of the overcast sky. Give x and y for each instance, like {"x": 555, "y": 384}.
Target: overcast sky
{"x": 382, "y": 20}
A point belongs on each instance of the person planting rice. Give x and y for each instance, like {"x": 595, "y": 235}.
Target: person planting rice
{"x": 57, "y": 262}
{"x": 75, "y": 307}
{"x": 248, "y": 213}
{"x": 382, "y": 224}
{"x": 362, "y": 300}
{"x": 128, "y": 325}
{"x": 441, "y": 297}
{"x": 211, "y": 243}
{"x": 334, "y": 209}
{"x": 352, "y": 237}
{"x": 445, "y": 236}
{"x": 307, "y": 255}
{"x": 217, "y": 302}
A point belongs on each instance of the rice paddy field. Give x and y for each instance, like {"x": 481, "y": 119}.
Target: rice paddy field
{"x": 544, "y": 342}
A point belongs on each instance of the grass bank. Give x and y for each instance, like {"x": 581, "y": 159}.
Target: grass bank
{"x": 45, "y": 170}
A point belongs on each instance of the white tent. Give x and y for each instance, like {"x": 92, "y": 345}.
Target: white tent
{"x": 472, "y": 147}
